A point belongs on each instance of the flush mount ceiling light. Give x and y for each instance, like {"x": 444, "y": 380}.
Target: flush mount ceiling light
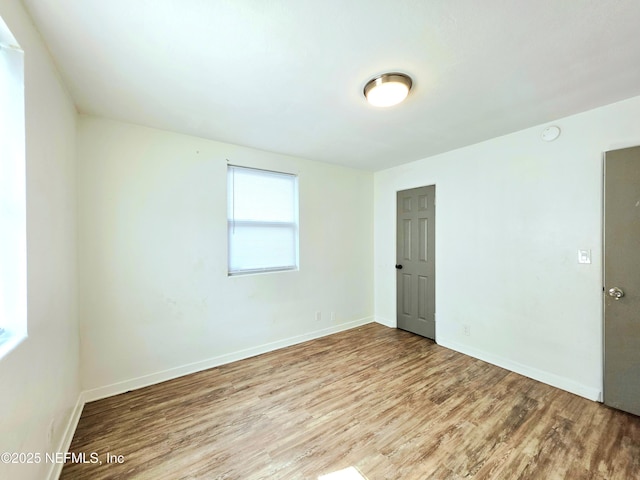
{"x": 387, "y": 89}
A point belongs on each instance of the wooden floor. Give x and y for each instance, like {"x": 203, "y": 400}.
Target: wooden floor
{"x": 392, "y": 404}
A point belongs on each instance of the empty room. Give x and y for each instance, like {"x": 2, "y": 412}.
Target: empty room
{"x": 273, "y": 239}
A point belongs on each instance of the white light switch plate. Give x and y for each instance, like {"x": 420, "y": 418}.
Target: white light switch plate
{"x": 584, "y": 256}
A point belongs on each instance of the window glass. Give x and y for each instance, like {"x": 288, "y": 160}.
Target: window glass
{"x": 262, "y": 220}
{"x": 13, "y": 261}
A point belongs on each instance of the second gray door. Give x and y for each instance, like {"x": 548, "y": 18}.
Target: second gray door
{"x": 622, "y": 279}
{"x": 415, "y": 260}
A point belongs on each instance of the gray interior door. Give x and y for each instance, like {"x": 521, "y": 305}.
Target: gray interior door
{"x": 622, "y": 279}
{"x": 415, "y": 261}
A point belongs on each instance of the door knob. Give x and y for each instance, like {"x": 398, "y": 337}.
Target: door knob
{"x": 399, "y": 267}
{"x": 616, "y": 293}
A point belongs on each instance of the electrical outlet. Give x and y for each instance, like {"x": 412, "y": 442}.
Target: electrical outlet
{"x": 466, "y": 329}
{"x": 318, "y": 316}
{"x": 333, "y": 317}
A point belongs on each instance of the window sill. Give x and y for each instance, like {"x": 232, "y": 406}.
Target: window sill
{"x": 8, "y": 342}
{"x": 262, "y": 271}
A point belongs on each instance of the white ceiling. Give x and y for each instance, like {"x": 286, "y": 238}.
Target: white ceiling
{"x": 287, "y": 75}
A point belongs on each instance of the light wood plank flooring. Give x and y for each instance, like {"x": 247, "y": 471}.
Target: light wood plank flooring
{"x": 392, "y": 404}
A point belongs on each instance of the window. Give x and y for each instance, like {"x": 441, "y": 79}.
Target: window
{"x": 13, "y": 242}
{"x": 262, "y": 220}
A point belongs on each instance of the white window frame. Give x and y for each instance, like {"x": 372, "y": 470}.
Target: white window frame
{"x": 13, "y": 240}
{"x": 233, "y": 222}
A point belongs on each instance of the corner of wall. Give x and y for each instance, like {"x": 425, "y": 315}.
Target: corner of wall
{"x": 385, "y": 321}
{"x": 554, "y": 380}
{"x": 67, "y": 437}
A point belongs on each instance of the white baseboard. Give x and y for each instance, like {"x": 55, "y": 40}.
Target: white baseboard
{"x": 552, "y": 379}
{"x": 144, "y": 381}
{"x": 386, "y": 322}
{"x": 67, "y": 437}
{"x": 152, "y": 379}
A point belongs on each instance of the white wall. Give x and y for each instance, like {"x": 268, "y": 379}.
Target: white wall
{"x": 511, "y": 214}
{"x": 39, "y": 379}
{"x": 155, "y": 298}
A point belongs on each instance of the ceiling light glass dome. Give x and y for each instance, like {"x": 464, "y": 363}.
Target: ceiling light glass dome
{"x": 387, "y": 89}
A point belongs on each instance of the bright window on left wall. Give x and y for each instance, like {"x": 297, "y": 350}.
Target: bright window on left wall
{"x": 262, "y": 221}
{"x": 13, "y": 240}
